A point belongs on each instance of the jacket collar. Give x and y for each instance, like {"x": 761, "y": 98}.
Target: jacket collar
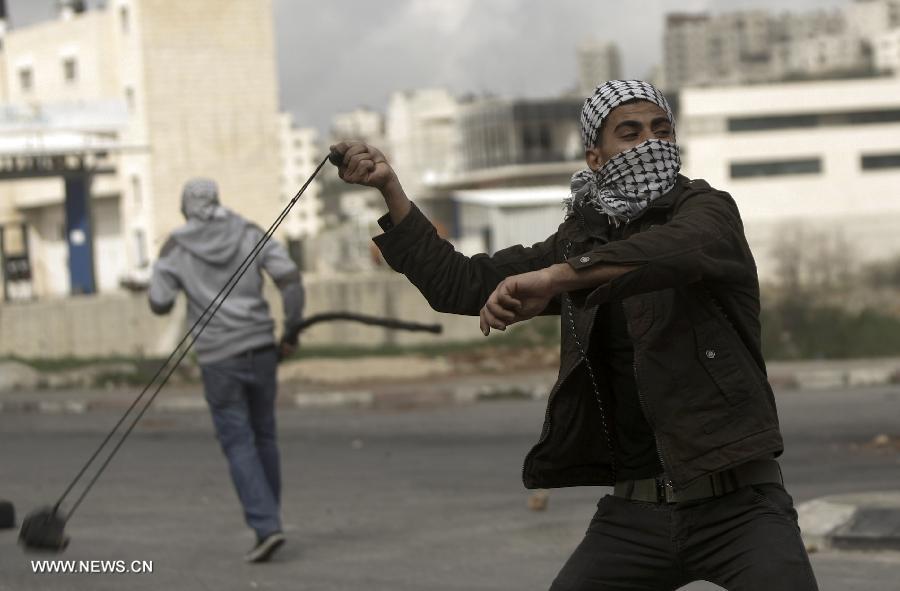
{"x": 587, "y": 222}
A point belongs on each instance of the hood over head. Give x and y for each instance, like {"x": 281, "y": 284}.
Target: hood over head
{"x": 212, "y": 232}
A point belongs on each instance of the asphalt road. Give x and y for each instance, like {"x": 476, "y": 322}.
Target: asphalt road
{"x": 425, "y": 499}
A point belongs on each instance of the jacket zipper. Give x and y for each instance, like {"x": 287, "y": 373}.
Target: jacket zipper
{"x": 546, "y": 431}
{"x": 604, "y": 423}
{"x": 637, "y": 384}
{"x": 643, "y": 403}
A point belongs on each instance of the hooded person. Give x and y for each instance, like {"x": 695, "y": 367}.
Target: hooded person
{"x": 662, "y": 391}
{"x": 237, "y": 351}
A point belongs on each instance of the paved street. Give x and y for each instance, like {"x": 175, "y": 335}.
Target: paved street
{"x": 426, "y": 499}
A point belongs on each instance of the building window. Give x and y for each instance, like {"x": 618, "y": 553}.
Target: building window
{"x": 807, "y": 120}
{"x": 140, "y": 249}
{"x": 70, "y": 70}
{"x": 880, "y": 161}
{"x": 26, "y": 79}
{"x": 137, "y": 195}
{"x": 124, "y": 19}
{"x": 742, "y": 170}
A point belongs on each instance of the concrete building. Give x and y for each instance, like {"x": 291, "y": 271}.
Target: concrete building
{"x": 300, "y": 155}
{"x": 819, "y": 56}
{"x": 492, "y": 219}
{"x": 886, "y": 51}
{"x": 516, "y": 157}
{"x": 815, "y": 158}
{"x": 422, "y": 140}
{"x": 517, "y": 142}
{"x": 749, "y": 47}
{"x": 703, "y": 49}
{"x": 107, "y": 112}
{"x": 362, "y": 124}
{"x": 869, "y": 18}
{"x": 597, "y": 63}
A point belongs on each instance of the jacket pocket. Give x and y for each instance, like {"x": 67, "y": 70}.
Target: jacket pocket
{"x": 725, "y": 365}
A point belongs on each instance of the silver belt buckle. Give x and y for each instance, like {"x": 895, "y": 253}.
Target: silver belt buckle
{"x": 664, "y": 490}
{"x": 670, "y": 492}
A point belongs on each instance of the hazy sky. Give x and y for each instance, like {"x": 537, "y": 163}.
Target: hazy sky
{"x": 335, "y": 55}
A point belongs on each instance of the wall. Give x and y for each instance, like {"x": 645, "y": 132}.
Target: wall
{"x": 121, "y": 324}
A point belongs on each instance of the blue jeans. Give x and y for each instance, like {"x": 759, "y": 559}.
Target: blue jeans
{"x": 241, "y": 395}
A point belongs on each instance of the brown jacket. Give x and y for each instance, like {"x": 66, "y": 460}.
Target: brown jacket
{"x": 692, "y": 308}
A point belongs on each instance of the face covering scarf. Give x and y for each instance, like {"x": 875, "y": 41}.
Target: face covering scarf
{"x": 631, "y": 180}
{"x": 628, "y": 182}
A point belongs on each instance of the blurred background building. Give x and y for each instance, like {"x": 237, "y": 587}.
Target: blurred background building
{"x": 105, "y": 113}
{"x": 597, "y": 62}
{"x": 822, "y": 156}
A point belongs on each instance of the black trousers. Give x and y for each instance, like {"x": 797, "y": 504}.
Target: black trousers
{"x": 745, "y": 540}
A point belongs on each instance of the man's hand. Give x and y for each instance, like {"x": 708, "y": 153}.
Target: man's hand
{"x": 286, "y": 349}
{"x": 517, "y": 298}
{"x": 522, "y": 297}
{"x": 363, "y": 164}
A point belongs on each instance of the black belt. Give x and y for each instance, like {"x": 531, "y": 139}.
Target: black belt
{"x": 256, "y": 351}
{"x": 660, "y": 490}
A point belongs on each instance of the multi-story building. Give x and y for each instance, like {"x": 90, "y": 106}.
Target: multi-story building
{"x": 107, "y": 112}
{"x": 597, "y": 63}
{"x": 300, "y": 155}
{"x": 362, "y": 124}
{"x": 754, "y": 46}
{"x": 516, "y": 157}
{"x": 422, "y": 138}
{"x": 823, "y": 55}
{"x": 886, "y": 51}
{"x": 510, "y": 142}
{"x": 703, "y": 49}
{"x": 869, "y": 18}
{"x": 819, "y": 157}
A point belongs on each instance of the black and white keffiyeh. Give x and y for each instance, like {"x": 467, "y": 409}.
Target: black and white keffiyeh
{"x": 626, "y": 184}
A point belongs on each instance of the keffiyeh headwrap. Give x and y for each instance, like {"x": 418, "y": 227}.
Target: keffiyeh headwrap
{"x": 631, "y": 180}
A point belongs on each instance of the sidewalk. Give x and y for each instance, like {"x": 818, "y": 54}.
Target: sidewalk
{"x": 381, "y": 382}
{"x": 858, "y": 521}
{"x": 421, "y": 391}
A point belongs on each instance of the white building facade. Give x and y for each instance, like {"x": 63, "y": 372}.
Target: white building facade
{"x": 817, "y": 157}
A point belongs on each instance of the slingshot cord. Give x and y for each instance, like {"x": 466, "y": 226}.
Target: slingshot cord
{"x": 190, "y": 337}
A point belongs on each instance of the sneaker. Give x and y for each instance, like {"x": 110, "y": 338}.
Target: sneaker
{"x": 265, "y": 548}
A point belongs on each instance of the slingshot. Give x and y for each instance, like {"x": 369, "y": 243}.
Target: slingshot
{"x": 44, "y": 529}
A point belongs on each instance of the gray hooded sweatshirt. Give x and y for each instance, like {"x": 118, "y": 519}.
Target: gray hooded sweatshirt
{"x": 199, "y": 258}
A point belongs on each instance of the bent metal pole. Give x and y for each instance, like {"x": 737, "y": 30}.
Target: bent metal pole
{"x": 33, "y": 534}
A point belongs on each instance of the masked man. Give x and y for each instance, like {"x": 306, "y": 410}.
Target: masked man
{"x": 236, "y": 351}
{"x": 662, "y": 391}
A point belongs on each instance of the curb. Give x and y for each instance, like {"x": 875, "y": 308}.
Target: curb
{"x": 411, "y": 398}
{"x": 403, "y": 397}
{"x": 857, "y": 521}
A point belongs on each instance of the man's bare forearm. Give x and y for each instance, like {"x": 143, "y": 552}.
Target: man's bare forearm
{"x": 396, "y": 200}
{"x": 564, "y": 278}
